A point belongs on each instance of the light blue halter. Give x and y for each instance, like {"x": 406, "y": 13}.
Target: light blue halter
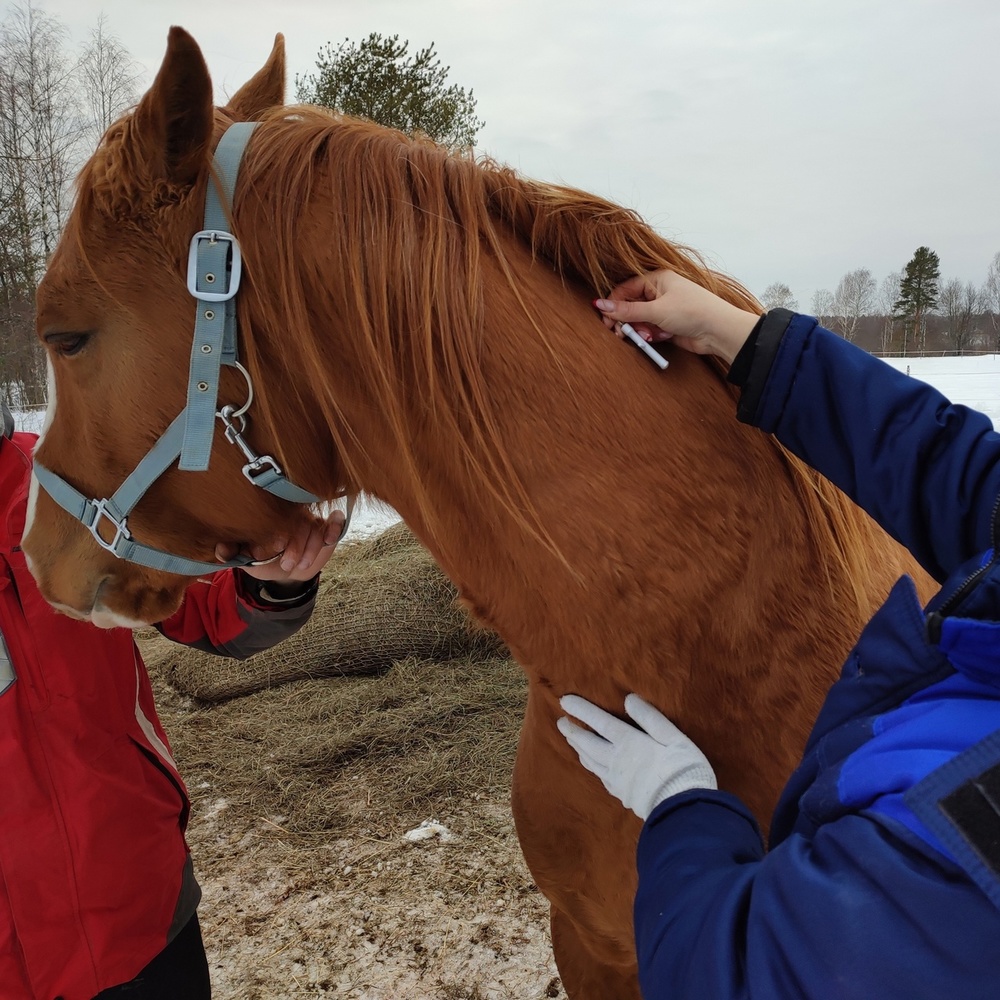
{"x": 213, "y": 278}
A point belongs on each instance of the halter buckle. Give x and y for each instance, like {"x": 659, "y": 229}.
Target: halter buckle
{"x": 260, "y": 466}
{"x": 257, "y": 465}
{"x": 233, "y": 272}
{"x": 104, "y": 509}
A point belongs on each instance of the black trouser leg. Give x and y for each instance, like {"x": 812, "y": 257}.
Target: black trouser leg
{"x": 179, "y": 972}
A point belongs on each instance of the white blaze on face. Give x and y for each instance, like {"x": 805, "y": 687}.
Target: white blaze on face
{"x": 99, "y": 615}
{"x": 50, "y": 413}
{"x": 103, "y": 618}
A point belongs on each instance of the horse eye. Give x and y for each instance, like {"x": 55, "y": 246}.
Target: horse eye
{"x": 67, "y": 344}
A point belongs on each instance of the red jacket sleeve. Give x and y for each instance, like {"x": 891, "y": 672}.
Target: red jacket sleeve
{"x": 231, "y": 615}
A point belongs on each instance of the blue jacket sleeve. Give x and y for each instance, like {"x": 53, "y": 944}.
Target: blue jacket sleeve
{"x": 858, "y": 911}
{"x": 927, "y": 470}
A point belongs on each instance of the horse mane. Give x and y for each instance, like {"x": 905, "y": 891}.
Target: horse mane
{"x": 412, "y": 224}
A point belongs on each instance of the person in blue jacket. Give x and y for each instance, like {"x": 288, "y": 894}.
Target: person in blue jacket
{"x": 881, "y": 880}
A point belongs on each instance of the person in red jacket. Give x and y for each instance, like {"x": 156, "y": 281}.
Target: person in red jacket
{"x": 98, "y": 897}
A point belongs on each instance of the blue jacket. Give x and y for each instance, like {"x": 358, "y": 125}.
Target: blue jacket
{"x": 882, "y": 880}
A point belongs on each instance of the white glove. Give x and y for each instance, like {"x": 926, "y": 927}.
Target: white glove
{"x": 640, "y": 767}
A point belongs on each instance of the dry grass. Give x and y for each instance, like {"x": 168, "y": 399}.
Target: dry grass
{"x": 302, "y": 789}
{"x": 301, "y": 795}
{"x": 325, "y": 755}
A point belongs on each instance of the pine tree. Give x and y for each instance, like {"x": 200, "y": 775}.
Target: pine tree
{"x": 918, "y": 294}
{"x": 377, "y": 79}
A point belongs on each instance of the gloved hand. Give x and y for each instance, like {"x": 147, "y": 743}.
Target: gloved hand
{"x": 640, "y": 767}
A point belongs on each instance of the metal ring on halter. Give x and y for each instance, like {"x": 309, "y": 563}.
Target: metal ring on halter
{"x": 229, "y": 417}
{"x": 246, "y": 406}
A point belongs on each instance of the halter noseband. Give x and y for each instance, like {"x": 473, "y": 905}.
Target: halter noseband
{"x": 213, "y": 278}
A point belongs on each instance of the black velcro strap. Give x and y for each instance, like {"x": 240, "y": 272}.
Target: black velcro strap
{"x": 754, "y": 371}
{"x": 974, "y": 812}
{"x": 959, "y": 803}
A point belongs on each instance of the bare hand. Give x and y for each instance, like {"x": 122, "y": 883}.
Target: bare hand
{"x": 663, "y": 305}
{"x": 302, "y": 554}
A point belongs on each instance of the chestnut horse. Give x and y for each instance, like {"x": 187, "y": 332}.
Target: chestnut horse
{"x": 417, "y": 326}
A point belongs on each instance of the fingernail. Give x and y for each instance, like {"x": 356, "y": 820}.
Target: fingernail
{"x": 604, "y": 305}
{"x": 287, "y": 563}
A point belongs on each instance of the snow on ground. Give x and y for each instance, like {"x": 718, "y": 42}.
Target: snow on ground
{"x": 972, "y": 380}
{"x": 370, "y": 518}
{"x": 29, "y": 420}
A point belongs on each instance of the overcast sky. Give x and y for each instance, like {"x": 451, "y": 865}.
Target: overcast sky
{"x": 787, "y": 140}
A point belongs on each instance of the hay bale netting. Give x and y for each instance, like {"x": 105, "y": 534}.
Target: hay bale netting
{"x": 380, "y": 600}
{"x": 410, "y": 743}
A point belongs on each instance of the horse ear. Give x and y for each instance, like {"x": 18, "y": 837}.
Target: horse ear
{"x": 173, "y": 123}
{"x": 265, "y": 89}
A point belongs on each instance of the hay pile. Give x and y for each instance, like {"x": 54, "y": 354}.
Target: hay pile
{"x": 325, "y": 756}
{"x": 381, "y": 600}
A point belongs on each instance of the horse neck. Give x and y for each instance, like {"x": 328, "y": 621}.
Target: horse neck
{"x": 610, "y": 490}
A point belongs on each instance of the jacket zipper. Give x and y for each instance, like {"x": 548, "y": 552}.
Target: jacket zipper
{"x": 935, "y": 618}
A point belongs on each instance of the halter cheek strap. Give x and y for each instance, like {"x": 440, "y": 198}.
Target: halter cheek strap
{"x": 215, "y": 266}
{"x": 116, "y": 510}
{"x": 214, "y": 269}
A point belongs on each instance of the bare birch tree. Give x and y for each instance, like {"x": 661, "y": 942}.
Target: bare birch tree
{"x": 41, "y": 130}
{"x": 823, "y": 307}
{"x": 778, "y": 295}
{"x": 960, "y": 304}
{"x": 991, "y": 301}
{"x": 39, "y": 137}
{"x": 854, "y": 298}
{"x": 108, "y": 79}
{"x": 886, "y": 299}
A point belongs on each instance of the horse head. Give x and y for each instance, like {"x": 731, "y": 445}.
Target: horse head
{"x": 116, "y": 321}
{"x": 390, "y": 322}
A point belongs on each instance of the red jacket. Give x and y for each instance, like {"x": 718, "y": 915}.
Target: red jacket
{"x": 95, "y": 875}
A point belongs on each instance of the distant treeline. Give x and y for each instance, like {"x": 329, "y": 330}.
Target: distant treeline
{"x": 911, "y": 312}
{"x": 881, "y": 335}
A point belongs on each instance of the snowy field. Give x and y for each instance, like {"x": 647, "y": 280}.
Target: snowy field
{"x": 974, "y": 381}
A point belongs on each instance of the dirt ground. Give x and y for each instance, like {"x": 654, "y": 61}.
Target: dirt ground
{"x": 301, "y": 802}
